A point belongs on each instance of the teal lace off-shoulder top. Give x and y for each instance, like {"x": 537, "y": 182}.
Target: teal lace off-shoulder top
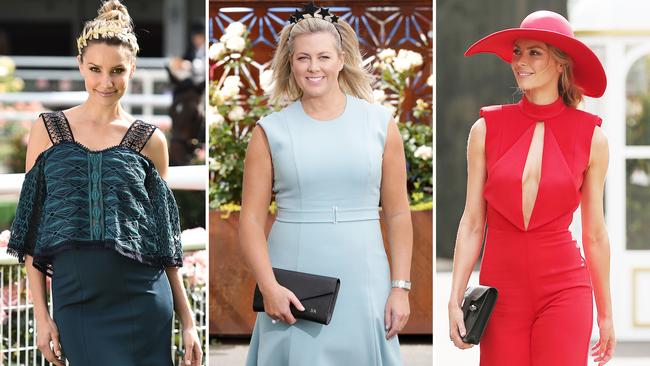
{"x": 76, "y": 198}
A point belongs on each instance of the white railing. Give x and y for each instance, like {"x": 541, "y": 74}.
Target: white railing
{"x": 17, "y": 324}
{"x": 164, "y": 122}
{"x": 149, "y": 73}
{"x": 189, "y": 177}
{"x": 71, "y": 98}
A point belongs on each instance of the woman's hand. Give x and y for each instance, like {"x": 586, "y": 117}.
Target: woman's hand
{"x": 397, "y": 311}
{"x": 192, "y": 346}
{"x": 47, "y": 340}
{"x": 603, "y": 350}
{"x": 276, "y": 304}
{"x": 457, "y": 327}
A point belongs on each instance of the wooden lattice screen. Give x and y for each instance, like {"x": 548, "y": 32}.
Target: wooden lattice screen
{"x": 396, "y": 24}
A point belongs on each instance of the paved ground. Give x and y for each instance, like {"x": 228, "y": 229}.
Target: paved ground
{"x": 235, "y": 354}
{"x": 627, "y": 354}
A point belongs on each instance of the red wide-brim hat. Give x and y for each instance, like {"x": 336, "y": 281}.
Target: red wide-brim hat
{"x": 551, "y": 28}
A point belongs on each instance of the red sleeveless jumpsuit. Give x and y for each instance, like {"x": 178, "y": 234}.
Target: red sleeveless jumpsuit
{"x": 543, "y": 315}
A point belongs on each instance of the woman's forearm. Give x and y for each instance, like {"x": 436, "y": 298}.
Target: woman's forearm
{"x": 597, "y": 255}
{"x": 181, "y": 302}
{"x": 400, "y": 237}
{"x": 37, "y": 289}
{"x": 466, "y": 252}
{"x": 255, "y": 250}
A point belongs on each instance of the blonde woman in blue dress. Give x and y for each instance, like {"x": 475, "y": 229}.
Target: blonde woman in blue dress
{"x": 331, "y": 157}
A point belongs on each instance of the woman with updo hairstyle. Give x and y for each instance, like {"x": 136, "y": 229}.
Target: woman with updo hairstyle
{"x": 96, "y": 215}
{"x": 332, "y": 159}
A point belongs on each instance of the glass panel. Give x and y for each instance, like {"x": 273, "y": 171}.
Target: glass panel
{"x": 638, "y": 204}
{"x": 638, "y": 103}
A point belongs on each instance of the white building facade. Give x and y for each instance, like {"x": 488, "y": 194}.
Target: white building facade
{"x": 619, "y": 33}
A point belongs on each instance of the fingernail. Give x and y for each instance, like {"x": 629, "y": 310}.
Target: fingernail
{"x": 187, "y": 362}
{"x": 58, "y": 353}
{"x": 462, "y": 334}
{"x": 386, "y": 327}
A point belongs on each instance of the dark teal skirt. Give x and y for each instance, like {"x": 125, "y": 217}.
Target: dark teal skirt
{"x": 111, "y": 310}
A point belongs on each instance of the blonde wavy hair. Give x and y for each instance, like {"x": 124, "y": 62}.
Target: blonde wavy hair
{"x": 113, "y": 25}
{"x": 570, "y": 92}
{"x": 353, "y": 78}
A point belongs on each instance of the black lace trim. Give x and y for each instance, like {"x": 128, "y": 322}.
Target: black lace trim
{"x": 19, "y": 253}
{"x": 43, "y": 261}
{"x": 137, "y": 135}
{"x": 57, "y": 127}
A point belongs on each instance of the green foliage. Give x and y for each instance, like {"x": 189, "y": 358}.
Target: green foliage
{"x": 228, "y": 142}
{"x": 417, "y": 139}
{"x": 14, "y": 151}
{"x": 7, "y": 213}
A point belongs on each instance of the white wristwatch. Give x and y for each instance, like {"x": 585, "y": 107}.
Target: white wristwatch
{"x": 403, "y": 284}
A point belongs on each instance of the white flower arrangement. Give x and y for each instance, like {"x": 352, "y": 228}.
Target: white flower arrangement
{"x": 235, "y": 29}
{"x": 423, "y": 152}
{"x": 236, "y": 114}
{"x": 230, "y": 87}
{"x": 407, "y": 60}
{"x": 214, "y": 118}
{"x": 231, "y": 44}
{"x": 236, "y": 43}
{"x": 386, "y": 55}
{"x": 216, "y": 50}
{"x": 266, "y": 80}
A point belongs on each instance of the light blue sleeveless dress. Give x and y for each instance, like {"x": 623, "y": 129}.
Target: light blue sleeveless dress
{"x": 327, "y": 177}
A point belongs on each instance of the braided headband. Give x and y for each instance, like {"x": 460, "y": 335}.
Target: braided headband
{"x": 107, "y": 30}
{"x": 314, "y": 12}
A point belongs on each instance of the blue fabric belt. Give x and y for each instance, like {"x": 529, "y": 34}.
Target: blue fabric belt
{"x": 333, "y": 215}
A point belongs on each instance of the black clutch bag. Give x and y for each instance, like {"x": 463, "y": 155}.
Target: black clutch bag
{"x": 316, "y": 293}
{"x": 478, "y": 303}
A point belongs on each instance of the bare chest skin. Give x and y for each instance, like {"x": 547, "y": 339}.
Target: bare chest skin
{"x": 96, "y": 136}
{"x": 532, "y": 173}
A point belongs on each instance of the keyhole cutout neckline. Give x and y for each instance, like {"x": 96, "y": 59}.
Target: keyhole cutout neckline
{"x": 531, "y": 175}
{"x": 558, "y": 191}
{"x": 533, "y": 164}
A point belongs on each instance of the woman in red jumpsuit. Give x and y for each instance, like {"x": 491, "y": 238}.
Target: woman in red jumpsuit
{"x": 530, "y": 166}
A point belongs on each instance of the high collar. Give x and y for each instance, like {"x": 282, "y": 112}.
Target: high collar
{"x": 541, "y": 112}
